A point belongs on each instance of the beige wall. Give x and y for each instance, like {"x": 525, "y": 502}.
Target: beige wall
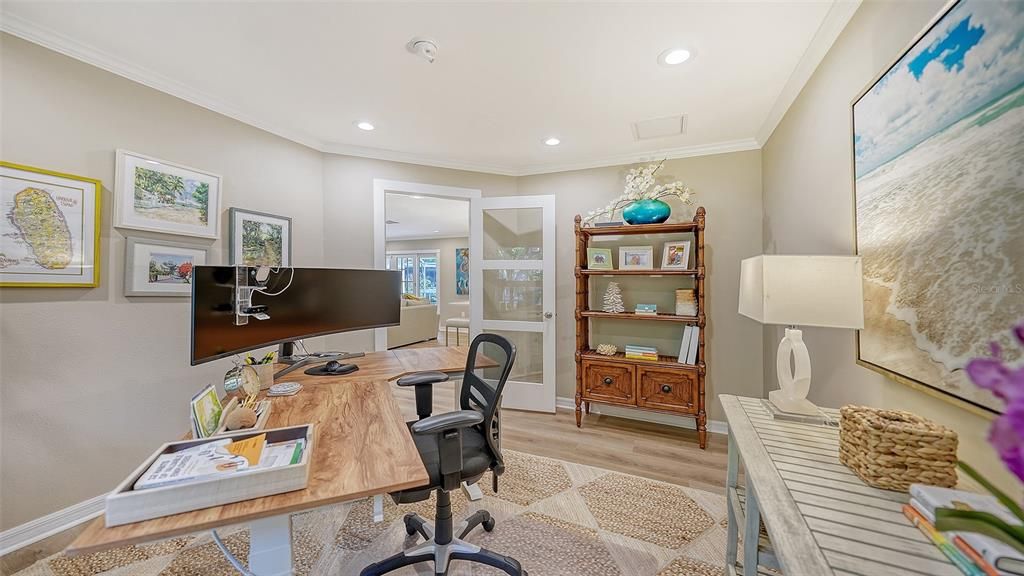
{"x": 446, "y": 271}
{"x": 808, "y": 202}
{"x": 729, "y": 186}
{"x": 93, "y": 381}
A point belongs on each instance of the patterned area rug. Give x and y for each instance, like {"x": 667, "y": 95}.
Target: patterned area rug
{"x": 557, "y": 518}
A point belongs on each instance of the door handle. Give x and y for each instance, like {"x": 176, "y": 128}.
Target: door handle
{"x": 548, "y": 315}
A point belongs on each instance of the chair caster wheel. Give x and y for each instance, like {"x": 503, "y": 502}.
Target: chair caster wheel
{"x": 489, "y": 525}
{"x": 410, "y": 528}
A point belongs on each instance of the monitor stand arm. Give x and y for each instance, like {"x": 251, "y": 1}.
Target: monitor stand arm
{"x": 286, "y": 355}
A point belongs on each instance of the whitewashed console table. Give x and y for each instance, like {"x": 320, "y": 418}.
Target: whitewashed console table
{"x": 820, "y": 518}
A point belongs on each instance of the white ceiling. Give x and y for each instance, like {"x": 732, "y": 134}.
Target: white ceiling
{"x": 508, "y": 75}
{"x": 425, "y": 217}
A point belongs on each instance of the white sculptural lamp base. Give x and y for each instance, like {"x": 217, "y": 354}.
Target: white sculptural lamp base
{"x": 794, "y": 380}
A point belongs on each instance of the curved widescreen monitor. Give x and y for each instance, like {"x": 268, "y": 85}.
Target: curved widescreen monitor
{"x": 318, "y": 301}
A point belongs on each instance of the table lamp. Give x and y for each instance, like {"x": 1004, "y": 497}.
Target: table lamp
{"x": 792, "y": 291}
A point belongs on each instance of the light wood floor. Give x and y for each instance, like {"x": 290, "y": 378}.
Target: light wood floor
{"x": 650, "y": 450}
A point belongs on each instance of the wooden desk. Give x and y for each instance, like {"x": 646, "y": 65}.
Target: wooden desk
{"x": 362, "y": 448}
{"x": 821, "y": 519}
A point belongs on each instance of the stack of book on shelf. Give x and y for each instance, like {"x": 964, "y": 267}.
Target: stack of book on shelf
{"x": 646, "y": 310}
{"x": 641, "y": 353}
{"x": 686, "y": 303}
{"x": 690, "y": 343}
{"x": 974, "y": 554}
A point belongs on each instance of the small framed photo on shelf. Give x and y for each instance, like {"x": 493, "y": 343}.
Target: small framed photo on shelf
{"x": 636, "y": 258}
{"x": 599, "y": 259}
{"x": 676, "y": 256}
{"x": 161, "y": 268}
{"x": 259, "y": 239}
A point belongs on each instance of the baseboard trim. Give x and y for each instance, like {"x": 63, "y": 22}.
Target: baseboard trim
{"x": 716, "y": 426}
{"x": 42, "y": 528}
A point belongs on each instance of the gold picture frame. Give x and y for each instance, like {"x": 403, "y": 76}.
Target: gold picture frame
{"x": 85, "y": 219}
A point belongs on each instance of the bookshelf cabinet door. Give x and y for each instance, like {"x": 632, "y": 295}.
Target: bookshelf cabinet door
{"x": 607, "y": 382}
{"x": 664, "y": 389}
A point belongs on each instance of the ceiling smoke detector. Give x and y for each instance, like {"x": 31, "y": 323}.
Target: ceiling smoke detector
{"x": 423, "y": 47}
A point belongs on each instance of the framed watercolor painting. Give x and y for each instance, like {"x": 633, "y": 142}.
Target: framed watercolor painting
{"x": 259, "y": 239}
{"x": 462, "y": 271}
{"x": 676, "y": 255}
{"x": 160, "y": 196}
{"x": 50, "y": 228}
{"x": 159, "y": 268}
{"x": 937, "y": 141}
{"x": 636, "y": 257}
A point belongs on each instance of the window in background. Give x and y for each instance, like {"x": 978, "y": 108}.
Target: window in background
{"x": 419, "y": 273}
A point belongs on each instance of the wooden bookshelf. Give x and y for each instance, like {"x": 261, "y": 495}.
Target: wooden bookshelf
{"x": 662, "y": 385}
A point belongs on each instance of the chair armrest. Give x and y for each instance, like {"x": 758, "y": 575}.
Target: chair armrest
{"x": 422, "y": 378}
{"x": 448, "y": 421}
{"x": 424, "y": 383}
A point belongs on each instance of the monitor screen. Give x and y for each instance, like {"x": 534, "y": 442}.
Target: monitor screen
{"x": 318, "y": 301}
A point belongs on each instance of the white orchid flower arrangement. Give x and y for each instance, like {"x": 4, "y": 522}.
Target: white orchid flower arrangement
{"x": 641, "y": 185}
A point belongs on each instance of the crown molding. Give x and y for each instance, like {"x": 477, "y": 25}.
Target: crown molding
{"x": 636, "y": 157}
{"x": 838, "y": 16}
{"x": 26, "y": 30}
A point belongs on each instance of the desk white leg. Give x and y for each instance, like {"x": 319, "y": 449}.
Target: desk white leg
{"x": 752, "y": 532}
{"x": 378, "y": 508}
{"x": 270, "y": 546}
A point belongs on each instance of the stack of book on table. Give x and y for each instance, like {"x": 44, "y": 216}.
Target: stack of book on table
{"x": 641, "y": 353}
{"x": 974, "y": 554}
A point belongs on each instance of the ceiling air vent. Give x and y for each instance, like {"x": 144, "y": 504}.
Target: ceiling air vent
{"x": 659, "y": 127}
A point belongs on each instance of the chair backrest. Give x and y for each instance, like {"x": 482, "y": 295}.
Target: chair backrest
{"x": 482, "y": 387}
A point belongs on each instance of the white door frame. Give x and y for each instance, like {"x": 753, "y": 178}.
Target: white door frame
{"x": 381, "y": 187}
{"x": 516, "y": 396}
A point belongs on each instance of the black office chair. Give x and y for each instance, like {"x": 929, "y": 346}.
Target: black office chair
{"x": 456, "y": 447}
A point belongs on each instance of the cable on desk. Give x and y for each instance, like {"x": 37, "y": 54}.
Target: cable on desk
{"x": 230, "y": 557}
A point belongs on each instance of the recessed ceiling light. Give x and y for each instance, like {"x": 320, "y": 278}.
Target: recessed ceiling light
{"x": 364, "y": 125}
{"x": 674, "y": 56}
{"x": 552, "y": 141}
{"x": 437, "y": 231}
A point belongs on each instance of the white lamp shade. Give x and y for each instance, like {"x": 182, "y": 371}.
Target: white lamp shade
{"x": 824, "y": 291}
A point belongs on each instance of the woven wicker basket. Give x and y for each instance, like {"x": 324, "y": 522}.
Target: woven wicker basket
{"x": 892, "y": 449}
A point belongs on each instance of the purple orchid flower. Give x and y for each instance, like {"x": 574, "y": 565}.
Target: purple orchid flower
{"x": 1007, "y": 432}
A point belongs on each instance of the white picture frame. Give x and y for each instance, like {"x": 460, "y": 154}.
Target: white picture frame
{"x": 676, "y": 255}
{"x": 186, "y": 201}
{"x": 147, "y": 271}
{"x": 237, "y": 218}
{"x": 636, "y": 257}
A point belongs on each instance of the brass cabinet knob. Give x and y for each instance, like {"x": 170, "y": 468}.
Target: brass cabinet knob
{"x": 666, "y": 388}
{"x": 608, "y": 380}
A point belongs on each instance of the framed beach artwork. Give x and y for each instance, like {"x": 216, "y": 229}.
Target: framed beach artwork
{"x": 160, "y": 196}
{"x": 938, "y": 144}
{"x": 462, "y": 271}
{"x": 159, "y": 268}
{"x": 259, "y": 239}
{"x": 49, "y": 229}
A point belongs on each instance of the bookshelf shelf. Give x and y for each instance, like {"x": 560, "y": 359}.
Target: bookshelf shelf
{"x": 662, "y": 385}
{"x": 634, "y": 316}
{"x": 649, "y": 273}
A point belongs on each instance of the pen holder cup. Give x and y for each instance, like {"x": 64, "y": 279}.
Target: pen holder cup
{"x": 266, "y": 374}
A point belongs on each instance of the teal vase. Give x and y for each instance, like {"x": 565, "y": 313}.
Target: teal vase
{"x": 646, "y": 212}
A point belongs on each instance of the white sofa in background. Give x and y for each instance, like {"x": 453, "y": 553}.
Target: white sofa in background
{"x": 418, "y": 324}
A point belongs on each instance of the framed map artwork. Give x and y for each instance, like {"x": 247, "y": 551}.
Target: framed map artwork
{"x": 50, "y": 229}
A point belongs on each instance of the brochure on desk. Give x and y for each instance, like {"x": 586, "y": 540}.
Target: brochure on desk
{"x": 194, "y": 474}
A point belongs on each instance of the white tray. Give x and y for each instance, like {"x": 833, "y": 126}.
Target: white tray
{"x": 125, "y": 505}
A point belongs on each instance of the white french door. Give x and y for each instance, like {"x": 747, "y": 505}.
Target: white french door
{"x": 512, "y": 290}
